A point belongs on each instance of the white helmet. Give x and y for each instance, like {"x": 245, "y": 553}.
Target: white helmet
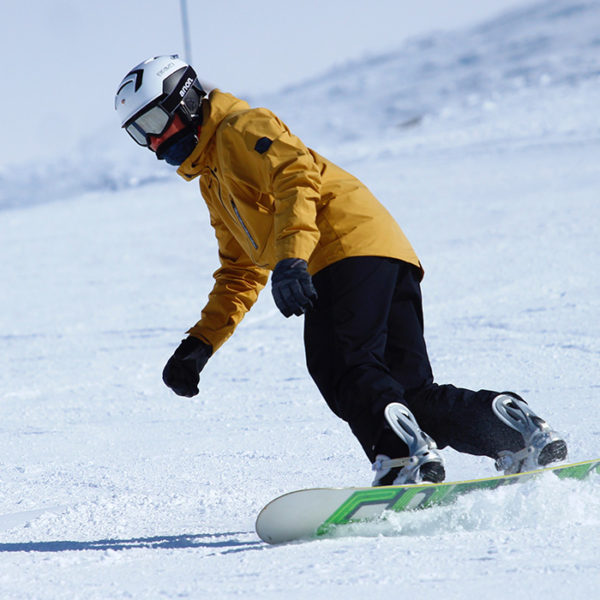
{"x": 153, "y": 92}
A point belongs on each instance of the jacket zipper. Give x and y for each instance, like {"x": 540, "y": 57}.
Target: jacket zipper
{"x": 235, "y": 210}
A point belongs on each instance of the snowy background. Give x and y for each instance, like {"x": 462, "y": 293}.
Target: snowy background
{"x": 482, "y": 140}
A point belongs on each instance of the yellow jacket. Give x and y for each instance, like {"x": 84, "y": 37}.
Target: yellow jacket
{"x": 270, "y": 197}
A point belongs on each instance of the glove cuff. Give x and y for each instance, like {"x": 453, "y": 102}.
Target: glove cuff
{"x": 192, "y": 347}
{"x": 284, "y": 266}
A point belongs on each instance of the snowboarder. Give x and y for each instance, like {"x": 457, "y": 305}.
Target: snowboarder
{"x": 338, "y": 258}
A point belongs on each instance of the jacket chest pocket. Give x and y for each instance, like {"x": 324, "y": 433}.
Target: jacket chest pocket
{"x": 228, "y": 204}
{"x": 242, "y": 223}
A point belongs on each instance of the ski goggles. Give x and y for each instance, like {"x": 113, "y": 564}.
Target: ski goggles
{"x": 154, "y": 122}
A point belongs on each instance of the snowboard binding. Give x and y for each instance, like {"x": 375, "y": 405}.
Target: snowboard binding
{"x": 543, "y": 445}
{"x": 424, "y": 463}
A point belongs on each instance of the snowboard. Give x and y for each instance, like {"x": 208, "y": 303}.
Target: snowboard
{"x": 312, "y": 513}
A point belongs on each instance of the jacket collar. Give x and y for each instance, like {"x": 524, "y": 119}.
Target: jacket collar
{"x": 214, "y": 110}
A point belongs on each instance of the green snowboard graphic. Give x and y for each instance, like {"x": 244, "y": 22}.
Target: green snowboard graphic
{"x": 306, "y": 514}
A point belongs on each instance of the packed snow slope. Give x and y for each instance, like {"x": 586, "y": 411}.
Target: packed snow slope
{"x": 485, "y": 145}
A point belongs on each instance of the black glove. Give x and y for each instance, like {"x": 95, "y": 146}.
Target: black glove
{"x": 182, "y": 371}
{"x": 292, "y": 287}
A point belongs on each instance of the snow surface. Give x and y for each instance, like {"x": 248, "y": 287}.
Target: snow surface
{"x": 485, "y": 145}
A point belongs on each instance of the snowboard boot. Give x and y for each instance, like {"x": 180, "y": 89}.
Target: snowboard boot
{"x": 542, "y": 445}
{"x": 423, "y": 464}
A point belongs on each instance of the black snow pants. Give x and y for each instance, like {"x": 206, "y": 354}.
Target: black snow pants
{"x": 365, "y": 348}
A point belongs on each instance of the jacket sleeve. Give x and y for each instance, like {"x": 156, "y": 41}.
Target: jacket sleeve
{"x": 237, "y": 284}
{"x": 264, "y": 155}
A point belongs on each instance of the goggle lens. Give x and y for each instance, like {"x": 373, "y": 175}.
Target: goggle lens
{"x": 153, "y": 122}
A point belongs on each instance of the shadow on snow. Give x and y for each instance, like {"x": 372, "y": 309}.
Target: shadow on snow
{"x": 217, "y": 541}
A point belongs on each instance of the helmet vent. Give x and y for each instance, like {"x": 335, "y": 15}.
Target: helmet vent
{"x": 139, "y": 75}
